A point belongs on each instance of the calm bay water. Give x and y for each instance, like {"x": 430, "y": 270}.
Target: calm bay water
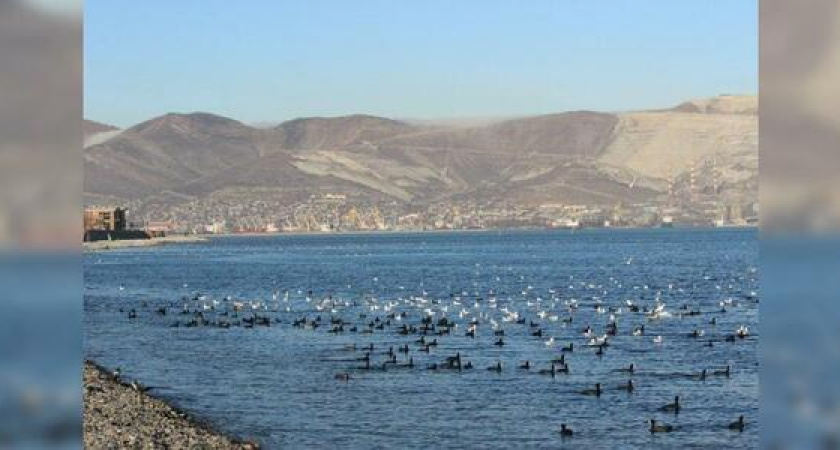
{"x": 277, "y": 384}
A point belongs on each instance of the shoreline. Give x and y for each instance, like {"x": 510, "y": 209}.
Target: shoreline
{"x": 118, "y": 416}
{"x": 190, "y": 239}
{"x": 471, "y": 230}
{"x": 135, "y": 243}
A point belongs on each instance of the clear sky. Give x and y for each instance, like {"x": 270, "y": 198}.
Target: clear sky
{"x": 273, "y": 60}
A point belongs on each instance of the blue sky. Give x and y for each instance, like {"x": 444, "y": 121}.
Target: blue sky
{"x": 273, "y": 60}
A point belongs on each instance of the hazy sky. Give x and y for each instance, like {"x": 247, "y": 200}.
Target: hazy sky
{"x": 272, "y": 60}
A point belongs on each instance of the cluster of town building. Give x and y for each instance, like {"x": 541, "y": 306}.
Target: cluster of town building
{"x": 699, "y": 197}
{"x": 335, "y": 212}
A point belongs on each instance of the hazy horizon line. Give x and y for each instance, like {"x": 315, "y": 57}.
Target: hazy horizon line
{"x": 439, "y": 120}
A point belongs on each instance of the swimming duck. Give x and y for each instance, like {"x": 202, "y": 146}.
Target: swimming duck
{"x": 454, "y": 362}
{"x": 595, "y": 392}
{"x": 724, "y": 372}
{"x": 675, "y": 407}
{"x": 568, "y": 348}
{"x": 738, "y": 425}
{"x": 342, "y": 376}
{"x": 500, "y": 342}
{"x": 696, "y": 334}
{"x": 526, "y": 365}
{"x": 629, "y": 369}
{"x": 663, "y": 428}
{"x": 565, "y": 431}
{"x": 496, "y": 367}
{"x": 366, "y": 360}
{"x": 629, "y": 387}
{"x": 552, "y": 371}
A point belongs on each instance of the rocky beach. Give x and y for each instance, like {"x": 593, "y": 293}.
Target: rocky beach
{"x": 122, "y": 415}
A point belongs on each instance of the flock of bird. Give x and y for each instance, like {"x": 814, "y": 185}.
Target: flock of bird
{"x": 563, "y": 323}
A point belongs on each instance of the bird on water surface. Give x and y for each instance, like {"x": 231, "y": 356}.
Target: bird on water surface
{"x": 565, "y": 431}
{"x": 595, "y": 392}
{"x": 660, "y": 428}
{"x": 629, "y": 386}
{"x": 724, "y": 372}
{"x": 738, "y": 425}
{"x": 672, "y": 407}
{"x": 629, "y": 369}
{"x": 344, "y": 376}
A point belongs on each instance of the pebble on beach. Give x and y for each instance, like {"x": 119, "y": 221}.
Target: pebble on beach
{"x": 118, "y": 416}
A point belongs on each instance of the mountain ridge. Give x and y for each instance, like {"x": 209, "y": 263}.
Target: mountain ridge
{"x": 568, "y": 157}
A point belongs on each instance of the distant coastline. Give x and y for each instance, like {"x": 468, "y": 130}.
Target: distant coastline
{"x": 199, "y": 238}
{"x": 467, "y": 230}
{"x": 129, "y": 243}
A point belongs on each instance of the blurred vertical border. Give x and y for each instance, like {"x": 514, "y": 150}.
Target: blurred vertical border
{"x": 40, "y": 200}
{"x": 800, "y": 219}
{"x": 40, "y": 197}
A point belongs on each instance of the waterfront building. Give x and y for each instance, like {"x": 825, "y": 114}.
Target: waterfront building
{"x": 105, "y": 218}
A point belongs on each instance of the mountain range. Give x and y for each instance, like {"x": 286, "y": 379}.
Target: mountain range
{"x": 579, "y": 157}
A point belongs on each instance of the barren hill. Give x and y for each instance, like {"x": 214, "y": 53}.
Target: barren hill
{"x": 662, "y": 146}
{"x": 722, "y": 104}
{"x": 320, "y": 133}
{"x": 90, "y": 127}
{"x": 573, "y": 157}
{"x": 166, "y": 152}
{"x": 96, "y": 132}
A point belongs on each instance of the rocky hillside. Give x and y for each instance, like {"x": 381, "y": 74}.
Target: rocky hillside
{"x": 318, "y": 133}
{"x": 574, "y": 157}
{"x": 90, "y": 127}
{"x": 96, "y": 132}
{"x": 167, "y": 152}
